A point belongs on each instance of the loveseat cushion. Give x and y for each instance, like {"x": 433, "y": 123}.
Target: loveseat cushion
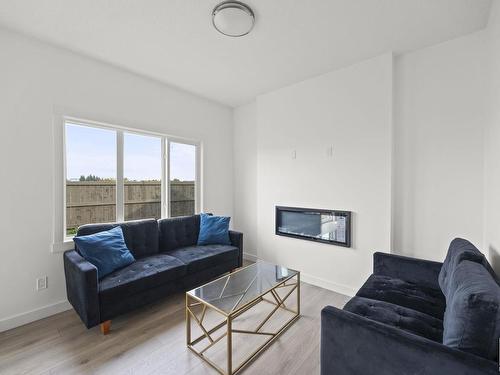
{"x": 178, "y": 232}
{"x": 414, "y": 296}
{"x": 472, "y": 317}
{"x": 198, "y": 258}
{"x": 141, "y": 236}
{"x": 459, "y": 251}
{"x": 145, "y": 273}
{"x": 397, "y": 316}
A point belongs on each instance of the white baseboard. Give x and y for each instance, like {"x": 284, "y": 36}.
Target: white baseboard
{"x": 250, "y": 257}
{"x": 36, "y": 314}
{"x": 313, "y": 280}
{"x": 326, "y": 284}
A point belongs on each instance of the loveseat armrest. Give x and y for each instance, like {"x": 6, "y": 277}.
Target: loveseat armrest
{"x": 82, "y": 287}
{"x": 354, "y": 345}
{"x": 236, "y": 239}
{"x": 418, "y": 271}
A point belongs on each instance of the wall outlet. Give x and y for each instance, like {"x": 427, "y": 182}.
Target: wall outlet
{"x": 294, "y": 154}
{"x": 42, "y": 283}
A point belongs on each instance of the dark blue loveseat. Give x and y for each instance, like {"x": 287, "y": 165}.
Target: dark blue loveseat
{"x": 416, "y": 316}
{"x": 167, "y": 261}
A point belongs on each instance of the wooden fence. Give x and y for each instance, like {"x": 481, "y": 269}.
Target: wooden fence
{"x": 95, "y": 201}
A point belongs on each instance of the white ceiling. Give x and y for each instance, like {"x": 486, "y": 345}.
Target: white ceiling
{"x": 173, "y": 40}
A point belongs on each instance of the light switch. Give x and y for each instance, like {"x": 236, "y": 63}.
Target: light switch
{"x": 329, "y": 151}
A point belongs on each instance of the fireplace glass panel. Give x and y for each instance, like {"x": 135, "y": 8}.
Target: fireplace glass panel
{"x": 321, "y": 225}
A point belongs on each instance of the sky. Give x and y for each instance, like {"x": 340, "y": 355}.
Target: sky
{"x": 93, "y": 151}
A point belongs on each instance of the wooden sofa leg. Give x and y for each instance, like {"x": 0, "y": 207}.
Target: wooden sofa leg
{"x": 105, "y": 327}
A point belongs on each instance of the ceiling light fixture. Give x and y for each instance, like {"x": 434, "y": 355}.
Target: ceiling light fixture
{"x": 233, "y": 18}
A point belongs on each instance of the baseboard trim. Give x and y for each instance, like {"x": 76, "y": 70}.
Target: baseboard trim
{"x": 250, "y": 257}
{"x": 33, "y": 315}
{"x": 326, "y": 284}
{"x": 313, "y": 280}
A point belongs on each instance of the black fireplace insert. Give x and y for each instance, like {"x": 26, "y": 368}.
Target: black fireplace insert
{"x": 319, "y": 225}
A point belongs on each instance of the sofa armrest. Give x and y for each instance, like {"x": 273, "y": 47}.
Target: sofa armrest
{"x": 82, "y": 287}
{"x": 414, "y": 270}
{"x": 352, "y": 344}
{"x": 237, "y": 241}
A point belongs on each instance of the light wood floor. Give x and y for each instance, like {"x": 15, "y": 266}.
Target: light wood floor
{"x": 152, "y": 341}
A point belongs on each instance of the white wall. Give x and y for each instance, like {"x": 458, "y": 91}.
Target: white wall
{"x": 492, "y": 142}
{"x": 439, "y": 106}
{"x": 444, "y": 185}
{"x": 36, "y": 81}
{"x": 351, "y": 110}
{"x": 245, "y": 175}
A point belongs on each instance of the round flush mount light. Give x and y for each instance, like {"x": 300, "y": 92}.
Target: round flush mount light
{"x": 233, "y": 18}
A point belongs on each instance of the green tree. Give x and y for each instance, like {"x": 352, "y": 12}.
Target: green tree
{"x": 90, "y": 177}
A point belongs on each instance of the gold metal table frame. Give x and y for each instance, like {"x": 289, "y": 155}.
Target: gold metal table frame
{"x": 277, "y": 301}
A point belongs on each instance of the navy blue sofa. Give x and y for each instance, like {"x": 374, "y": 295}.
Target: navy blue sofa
{"x": 167, "y": 261}
{"x": 415, "y": 316}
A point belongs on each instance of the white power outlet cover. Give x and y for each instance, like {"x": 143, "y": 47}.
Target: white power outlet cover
{"x": 41, "y": 283}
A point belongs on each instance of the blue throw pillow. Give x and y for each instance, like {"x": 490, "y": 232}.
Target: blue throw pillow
{"x": 105, "y": 250}
{"x": 214, "y": 230}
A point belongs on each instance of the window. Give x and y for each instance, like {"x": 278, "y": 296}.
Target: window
{"x": 182, "y": 178}
{"x": 113, "y": 174}
{"x": 90, "y": 176}
{"x": 142, "y": 176}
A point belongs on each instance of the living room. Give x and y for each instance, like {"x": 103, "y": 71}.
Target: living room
{"x": 259, "y": 187}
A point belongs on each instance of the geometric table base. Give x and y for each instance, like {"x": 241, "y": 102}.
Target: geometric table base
{"x": 271, "y": 297}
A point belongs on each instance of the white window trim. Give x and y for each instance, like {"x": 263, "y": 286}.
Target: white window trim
{"x": 60, "y": 242}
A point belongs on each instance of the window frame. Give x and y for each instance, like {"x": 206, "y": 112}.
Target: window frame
{"x": 61, "y": 241}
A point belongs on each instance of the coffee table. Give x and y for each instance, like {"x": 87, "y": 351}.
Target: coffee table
{"x": 231, "y": 296}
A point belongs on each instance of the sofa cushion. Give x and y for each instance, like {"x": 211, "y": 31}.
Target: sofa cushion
{"x": 198, "y": 258}
{"x": 105, "y": 250}
{"x": 196, "y": 279}
{"x": 178, "y": 232}
{"x": 403, "y": 318}
{"x": 472, "y": 317}
{"x": 145, "y": 273}
{"x": 110, "y": 308}
{"x": 141, "y": 236}
{"x": 418, "y": 297}
{"x": 459, "y": 251}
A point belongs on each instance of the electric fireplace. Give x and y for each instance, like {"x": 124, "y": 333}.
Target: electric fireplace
{"x": 320, "y": 225}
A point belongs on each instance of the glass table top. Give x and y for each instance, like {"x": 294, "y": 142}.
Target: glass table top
{"x": 233, "y": 291}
